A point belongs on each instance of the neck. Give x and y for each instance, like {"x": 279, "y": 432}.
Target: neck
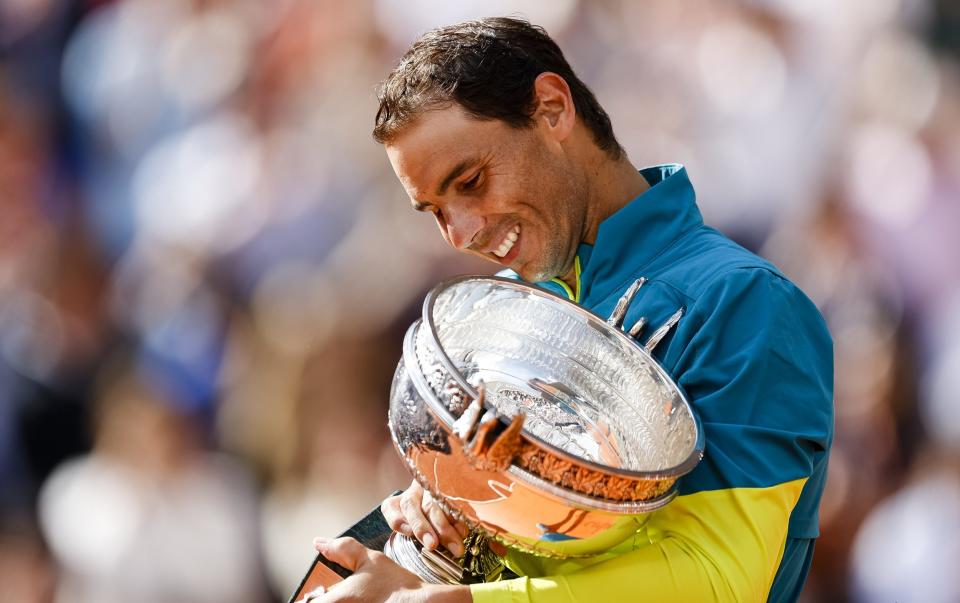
{"x": 609, "y": 186}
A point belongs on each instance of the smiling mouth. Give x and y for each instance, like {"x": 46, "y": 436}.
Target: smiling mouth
{"x": 508, "y": 242}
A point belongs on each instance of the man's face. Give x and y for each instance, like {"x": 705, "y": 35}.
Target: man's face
{"x": 501, "y": 193}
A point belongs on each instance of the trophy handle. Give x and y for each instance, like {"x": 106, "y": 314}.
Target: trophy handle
{"x": 662, "y": 331}
{"x": 620, "y": 312}
{"x": 623, "y": 304}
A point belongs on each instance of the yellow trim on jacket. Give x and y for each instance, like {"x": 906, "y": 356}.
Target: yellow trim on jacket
{"x": 573, "y": 295}
{"x": 718, "y": 545}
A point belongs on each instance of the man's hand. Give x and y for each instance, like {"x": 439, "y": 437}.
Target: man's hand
{"x": 414, "y": 513}
{"x": 378, "y": 579}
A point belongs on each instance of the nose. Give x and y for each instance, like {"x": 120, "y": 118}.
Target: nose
{"x": 461, "y": 226}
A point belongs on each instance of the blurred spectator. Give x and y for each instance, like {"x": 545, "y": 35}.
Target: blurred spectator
{"x": 149, "y": 515}
{"x": 901, "y": 552}
{"x": 27, "y": 573}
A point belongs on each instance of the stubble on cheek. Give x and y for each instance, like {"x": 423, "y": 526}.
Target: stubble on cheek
{"x": 548, "y": 207}
{"x": 547, "y": 259}
{"x": 561, "y": 234}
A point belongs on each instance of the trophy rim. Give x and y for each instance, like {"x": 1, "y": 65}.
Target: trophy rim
{"x": 443, "y": 414}
{"x": 566, "y": 495}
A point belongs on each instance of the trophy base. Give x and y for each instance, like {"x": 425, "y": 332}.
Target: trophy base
{"x": 435, "y": 567}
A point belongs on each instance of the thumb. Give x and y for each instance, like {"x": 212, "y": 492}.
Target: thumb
{"x": 346, "y": 551}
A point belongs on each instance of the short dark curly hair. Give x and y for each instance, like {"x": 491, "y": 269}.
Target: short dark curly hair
{"x": 488, "y": 66}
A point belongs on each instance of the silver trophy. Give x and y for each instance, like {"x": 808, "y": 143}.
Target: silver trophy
{"x": 535, "y": 422}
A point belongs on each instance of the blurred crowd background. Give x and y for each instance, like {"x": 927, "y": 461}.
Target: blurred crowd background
{"x": 207, "y": 266}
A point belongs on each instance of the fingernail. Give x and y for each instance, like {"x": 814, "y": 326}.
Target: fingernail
{"x": 456, "y": 549}
{"x": 319, "y": 541}
{"x": 405, "y": 530}
{"x": 429, "y": 541}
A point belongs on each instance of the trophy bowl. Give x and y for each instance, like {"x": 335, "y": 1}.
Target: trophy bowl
{"x": 535, "y": 421}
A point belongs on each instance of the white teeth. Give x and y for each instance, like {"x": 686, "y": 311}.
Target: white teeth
{"x": 508, "y": 242}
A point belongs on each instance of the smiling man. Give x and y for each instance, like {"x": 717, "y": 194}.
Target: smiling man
{"x": 489, "y": 129}
{"x": 522, "y": 195}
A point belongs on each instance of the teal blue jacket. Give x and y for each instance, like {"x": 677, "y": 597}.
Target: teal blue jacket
{"x": 754, "y": 356}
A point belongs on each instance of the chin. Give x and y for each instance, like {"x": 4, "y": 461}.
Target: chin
{"x": 533, "y": 276}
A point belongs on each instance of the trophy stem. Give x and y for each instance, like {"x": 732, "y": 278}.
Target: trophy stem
{"x": 434, "y": 567}
{"x": 479, "y": 562}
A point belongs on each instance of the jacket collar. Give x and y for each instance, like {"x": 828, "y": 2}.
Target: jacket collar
{"x": 637, "y": 233}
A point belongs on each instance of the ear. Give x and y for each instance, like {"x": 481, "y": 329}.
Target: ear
{"x": 555, "y": 113}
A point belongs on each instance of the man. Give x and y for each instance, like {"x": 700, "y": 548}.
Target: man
{"x": 488, "y": 129}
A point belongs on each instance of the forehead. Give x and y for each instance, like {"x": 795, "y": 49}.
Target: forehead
{"x": 439, "y": 139}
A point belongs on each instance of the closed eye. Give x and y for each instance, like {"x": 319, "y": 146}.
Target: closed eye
{"x": 472, "y": 183}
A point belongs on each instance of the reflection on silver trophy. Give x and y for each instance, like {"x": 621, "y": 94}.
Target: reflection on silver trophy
{"x": 535, "y": 422}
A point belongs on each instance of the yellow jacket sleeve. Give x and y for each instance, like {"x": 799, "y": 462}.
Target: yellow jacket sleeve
{"x": 719, "y": 545}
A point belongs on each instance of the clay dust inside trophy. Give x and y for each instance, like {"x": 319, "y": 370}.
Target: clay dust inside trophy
{"x": 535, "y": 422}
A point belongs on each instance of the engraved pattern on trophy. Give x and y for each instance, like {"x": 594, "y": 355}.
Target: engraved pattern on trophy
{"x": 534, "y": 421}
